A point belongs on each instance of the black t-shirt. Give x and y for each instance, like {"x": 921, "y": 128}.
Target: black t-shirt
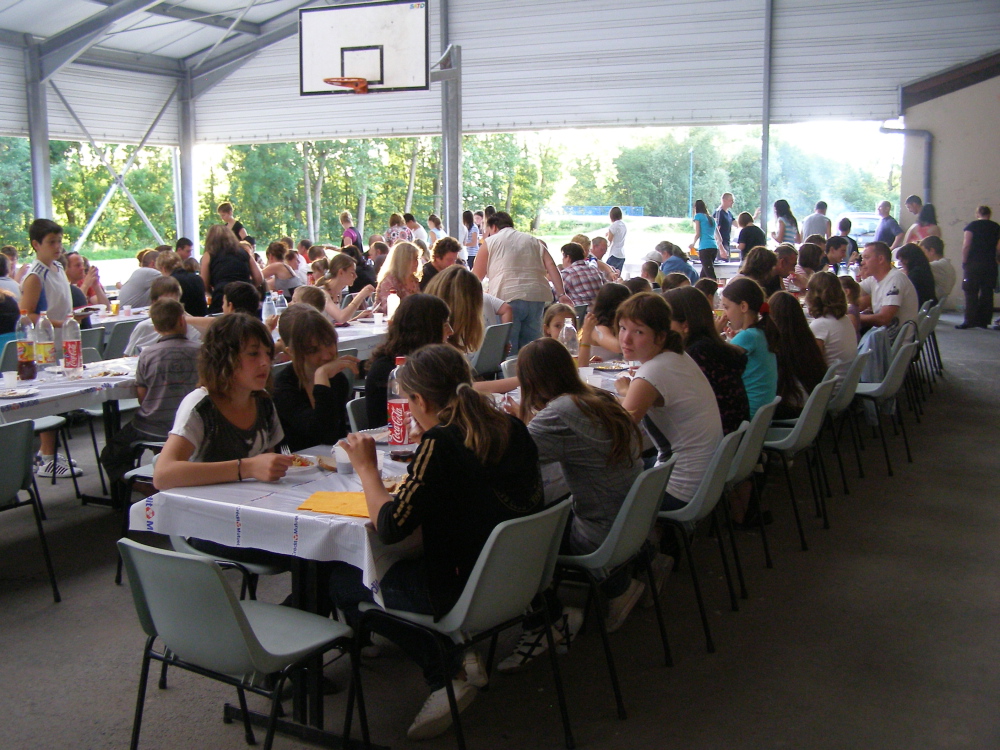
{"x": 750, "y": 237}
{"x": 223, "y": 268}
{"x": 429, "y": 273}
{"x": 724, "y": 219}
{"x": 306, "y": 425}
{"x": 771, "y": 285}
{"x": 366, "y": 277}
{"x": 79, "y": 300}
{"x": 983, "y": 250}
{"x": 237, "y": 228}
{"x": 377, "y": 390}
{"x": 192, "y": 292}
{"x": 458, "y": 501}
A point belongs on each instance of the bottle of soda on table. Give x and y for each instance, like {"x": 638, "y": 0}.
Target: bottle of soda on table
{"x": 45, "y": 351}
{"x": 72, "y": 349}
{"x": 399, "y": 409}
{"x": 25, "y": 336}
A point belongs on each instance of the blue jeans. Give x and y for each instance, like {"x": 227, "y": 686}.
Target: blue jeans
{"x": 527, "y": 323}
{"x": 404, "y": 587}
{"x": 616, "y": 263}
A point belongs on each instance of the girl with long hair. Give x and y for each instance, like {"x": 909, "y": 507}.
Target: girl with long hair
{"x": 475, "y": 467}
{"x": 434, "y": 229}
{"x": 598, "y": 337}
{"x": 926, "y": 225}
{"x": 311, "y": 396}
{"x": 722, "y": 363}
{"x": 830, "y": 324}
{"x": 917, "y": 268}
{"x": 223, "y": 261}
{"x": 341, "y": 273}
{"x": 462, "y": 291}
{"x": 788, "y": 227}
{"x": 470, "y": 242}
{"x": 278, "y": 274}
{"x": 746, "y": 313}
{"x": 704, "y": 239}
{"x": 801, "y": 366}
{"x": 399, "y": 273}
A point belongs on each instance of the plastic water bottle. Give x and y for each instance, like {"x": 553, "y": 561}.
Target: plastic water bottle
{"x": 72, "y": 349}
{"x": 399, "y": 409}
{"x": 391, "y": 303}
{"x": 280, "y": 303}
{"x": 568, "y": 338}
{"x": 45, "y": 349}
{"x": 25, "y": 336}
{"x": 269, "y": 311}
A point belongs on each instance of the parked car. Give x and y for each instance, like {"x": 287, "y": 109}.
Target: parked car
{"x": 863, "y": 226}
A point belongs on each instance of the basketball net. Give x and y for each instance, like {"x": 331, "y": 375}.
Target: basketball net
{"x": 357, "y": 85}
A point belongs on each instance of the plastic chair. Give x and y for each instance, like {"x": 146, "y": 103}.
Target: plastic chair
{"x": 581, "y": 313}
{"x": 357, "y": 415}
{"x": 278, "y": 368}
{"x": 746, "y": 460}
{"x": 703, "y": 504}
{"x": 516, "y": 563}
{"x": 487, "y": 360}
{"x": 142, "y": 473}
{"x": 935, "y": 350}
{"x": 184, "y": 601}
{"x": 880, "y": 393}
{"x": 622, "y": 545}
{"x": 253, "y": 570}
{"x": 840, "y": 408}
{"x": 789, "y": 442}
{"x": 509, "y": 367}
{"x": 18, "y": 475}
{"x": 118, "y": 339}
{"x": 93, "y": 338}
{"x": 8, "y": 360}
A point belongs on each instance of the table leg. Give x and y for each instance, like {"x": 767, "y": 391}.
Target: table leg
{"x": 112, "y": 424}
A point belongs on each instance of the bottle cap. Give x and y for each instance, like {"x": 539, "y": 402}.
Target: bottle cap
{"x": 400, "y": 361}
{"x": 392, "y": 291}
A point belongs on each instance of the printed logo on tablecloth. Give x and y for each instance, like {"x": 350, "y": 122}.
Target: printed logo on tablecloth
{"x": 375, "y": 587}
{"x": 149, "y": 514}
{"x": 295, "y": 536}
{"x": 239, "y": 528}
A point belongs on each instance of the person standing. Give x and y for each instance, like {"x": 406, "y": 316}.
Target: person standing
{"x": 724, "y": 221}
{"x": 225, "y": 211}
{"x": 704, "y": 239}
{"x": 419, "y": 233}
{"x": 854, "y": 253}
{"x": 350, "y": 236}
{"x": 787, "y": 231}
{"x": 224, "y": 261}
{"x": 750, "y": 236}
{"x": 817, "y": 222}
{"x": 517, "y": 264}
{"x": 980, "y": 249}
{"x": 616, "y": 239}
{"x": 888, "y": 230}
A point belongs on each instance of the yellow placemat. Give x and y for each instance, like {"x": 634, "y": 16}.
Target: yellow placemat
{"x": 337, "y": 503}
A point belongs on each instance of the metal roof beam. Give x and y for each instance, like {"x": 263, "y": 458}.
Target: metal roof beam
{"x": 102, "y": 57}
{"x": 225, "y": 63}
{"x": 219, "y": 20}
{"x": 63, "y": 48}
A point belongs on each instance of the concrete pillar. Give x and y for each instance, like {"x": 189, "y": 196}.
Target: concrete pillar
{"x": 38, "y": 133}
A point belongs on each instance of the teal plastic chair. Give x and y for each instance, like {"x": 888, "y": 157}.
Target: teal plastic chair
{"x": 118, "y": 339}
{"x": 93, "y": 338}
{"x": 703, "y": 504}
{"x": 8, "y": 360}
{"x": 18, "y": 476}
{"x": 517, "y": 563}
{"x": 788, "y": 442}
{"x": 509, "y": 367}
{"x": 487, "y": 360}
{"x": 621, "y": 546}
{"x": 183, "y": 601}
{"x": 880, "y": 393}
{"x": 357, "y": 415}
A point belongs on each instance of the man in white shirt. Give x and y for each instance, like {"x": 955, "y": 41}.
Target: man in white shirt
{"x": 419, "y": 233}
{"x": 886, "y": 291}
{"x": 941, "y": 267}
{"x": 817, "y": 223}
{"x": 616, "y": 239}
{"x": 135, "y": 291}
{"x": 517, "y": 265}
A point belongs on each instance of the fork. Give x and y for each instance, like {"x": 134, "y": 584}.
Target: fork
{"x": 285, "y": 450}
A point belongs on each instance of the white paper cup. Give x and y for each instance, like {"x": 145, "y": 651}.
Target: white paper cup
{"x": 10, "y": 379}
{"x": 126, "y": 310}
{"x": 378, "y": 317}
{"x": 595, "y": 380}
{"x": 344, "y": 465}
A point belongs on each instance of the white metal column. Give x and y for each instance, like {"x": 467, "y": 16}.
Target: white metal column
{"x": 38, "y": 134}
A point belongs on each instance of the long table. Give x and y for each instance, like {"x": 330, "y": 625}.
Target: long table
{"x": 58, "y": 395}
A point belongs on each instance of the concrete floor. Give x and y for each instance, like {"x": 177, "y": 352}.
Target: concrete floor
{"x": 883, "y": 635}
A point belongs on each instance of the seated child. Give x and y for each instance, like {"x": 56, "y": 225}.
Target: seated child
{"x": 144, "y": 334}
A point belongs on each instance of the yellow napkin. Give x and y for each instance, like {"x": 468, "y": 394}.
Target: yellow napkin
{"x": 337, "y": 503}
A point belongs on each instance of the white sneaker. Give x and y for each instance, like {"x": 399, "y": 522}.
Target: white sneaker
{"x": 435, "y": 716}
{"x": 620, "y": 607}
{"x": 61, "y": 470}
{"x": 533, "y": 643}
{"x": 59, "y": 457}
{"x": 475, "y": 669}
{"x": 662, "y": 565}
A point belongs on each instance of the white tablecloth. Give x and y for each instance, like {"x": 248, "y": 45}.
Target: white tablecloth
{"x": 361, "y": 336}
{"x": 58, "y": 395}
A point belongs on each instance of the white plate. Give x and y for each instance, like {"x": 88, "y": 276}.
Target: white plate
{"x": 380, "y": 434}
{"x": 18, "y": 392}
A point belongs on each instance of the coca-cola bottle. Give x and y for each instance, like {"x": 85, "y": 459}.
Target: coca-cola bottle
{"x": 25, "y": 335}
{"x": 45, "y": 349}
{"x": 399, "y": 409}
{"x": 72, "y": 349}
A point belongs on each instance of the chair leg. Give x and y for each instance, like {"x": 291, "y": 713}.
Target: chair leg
{"x": 760, "y": 519}
{"x": 491, "y": 654}
{"x": 69, "y": 462}
{"x": 906, "y": 439}
{"x": 557, "y": 677}
{"x": 822, "y": 497}
{"x": 836, "y": 450}
{"x": 141, "y": 697}
{"x": 668, "y": 659}
{"x": 881, "y": 432}
{"x": 736, "y": 553}
{"x": 733, "y": 601}
{"x": 356, "y": 689}
{"x": 38, "y": 496}
{"x": 709, "y": 644}
{"x": 600, "y": 607}
{"x": 452, "y": 703}
{"x": 795, "y": 505}
{"x": 45, "y": 546}
{"x": 821, "y": 464}
{"x": 854, "y": 440}
{"x": 162, "y": 684}
{"x": 814, "y": 484}
{"x": 272, "y": 719}
{"x": 97, "y": 456}
{"x": 247, "y": 728}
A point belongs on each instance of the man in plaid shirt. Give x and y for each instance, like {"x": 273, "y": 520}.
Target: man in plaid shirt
{"x": 581, "y": 281}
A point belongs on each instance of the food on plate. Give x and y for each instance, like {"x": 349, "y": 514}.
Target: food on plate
{"x": 298, "y": 460}
{"x": 615, "y": 366}
{"x": 325, "y": 463}
{"x": 391, "y": 484}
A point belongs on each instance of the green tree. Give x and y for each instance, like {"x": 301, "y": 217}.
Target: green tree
{"x": 16, "y": 208}
{"x": 265, "y": 187}
{"x": 586, "y": 191}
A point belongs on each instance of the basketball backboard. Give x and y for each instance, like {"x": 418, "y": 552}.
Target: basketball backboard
{"x": 383, "y": 42}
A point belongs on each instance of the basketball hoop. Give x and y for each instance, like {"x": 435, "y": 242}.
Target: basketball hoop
{"x": 357, "y": 85}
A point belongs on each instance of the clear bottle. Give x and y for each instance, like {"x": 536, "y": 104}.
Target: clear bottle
{"x": 45, "y": 348}
{"x": 269, "y": 310}
{"x": 568, "y": 338}
{"x": 399, "y": 409}
{"x": 72, "y": 353}
{"x": 280, "y": 303}
{"x": 391, "y": 303}
{"x": 25, "y": 336}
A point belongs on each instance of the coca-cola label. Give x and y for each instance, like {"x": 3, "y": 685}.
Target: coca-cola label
{"x": 399, "y": 422}
{"x": 72, "y": 354}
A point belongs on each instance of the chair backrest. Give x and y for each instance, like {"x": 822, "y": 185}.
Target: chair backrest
{"x": 351, "y": 379}
{"x": 810, "y": 421}
{"x": 634, "y": 520}
{"x": 831, "y": 371}
{"x": 118, "y": 339}
{"x": 509, "y": 367}
{"x": 16, "y": 438}
{"x": 845, "y": 392}
{"x": 93, "y": 338}
{"x": 581, "y": 313}
{"x": 924, "y": 328}
{"x": 508, "y": 574}
{"x": 8, "y": 361}
{"x": 907, "y": 332}
{"x": 925, "y": 308}
{"x": 896, "y": 374}
{"x": 748, "y": 454}
{"x": 90, "y": 354}
{"x": 713, "y": 480}
{"x": 185, "y": 601}
{"x": 5, "y": 337}
{"x": 357, "y": 415}
{"x": 487, "y": 360}
{"x": 278, "y": 368}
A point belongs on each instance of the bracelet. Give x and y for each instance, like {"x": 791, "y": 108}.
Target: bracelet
{"x": 239, "y": 469}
